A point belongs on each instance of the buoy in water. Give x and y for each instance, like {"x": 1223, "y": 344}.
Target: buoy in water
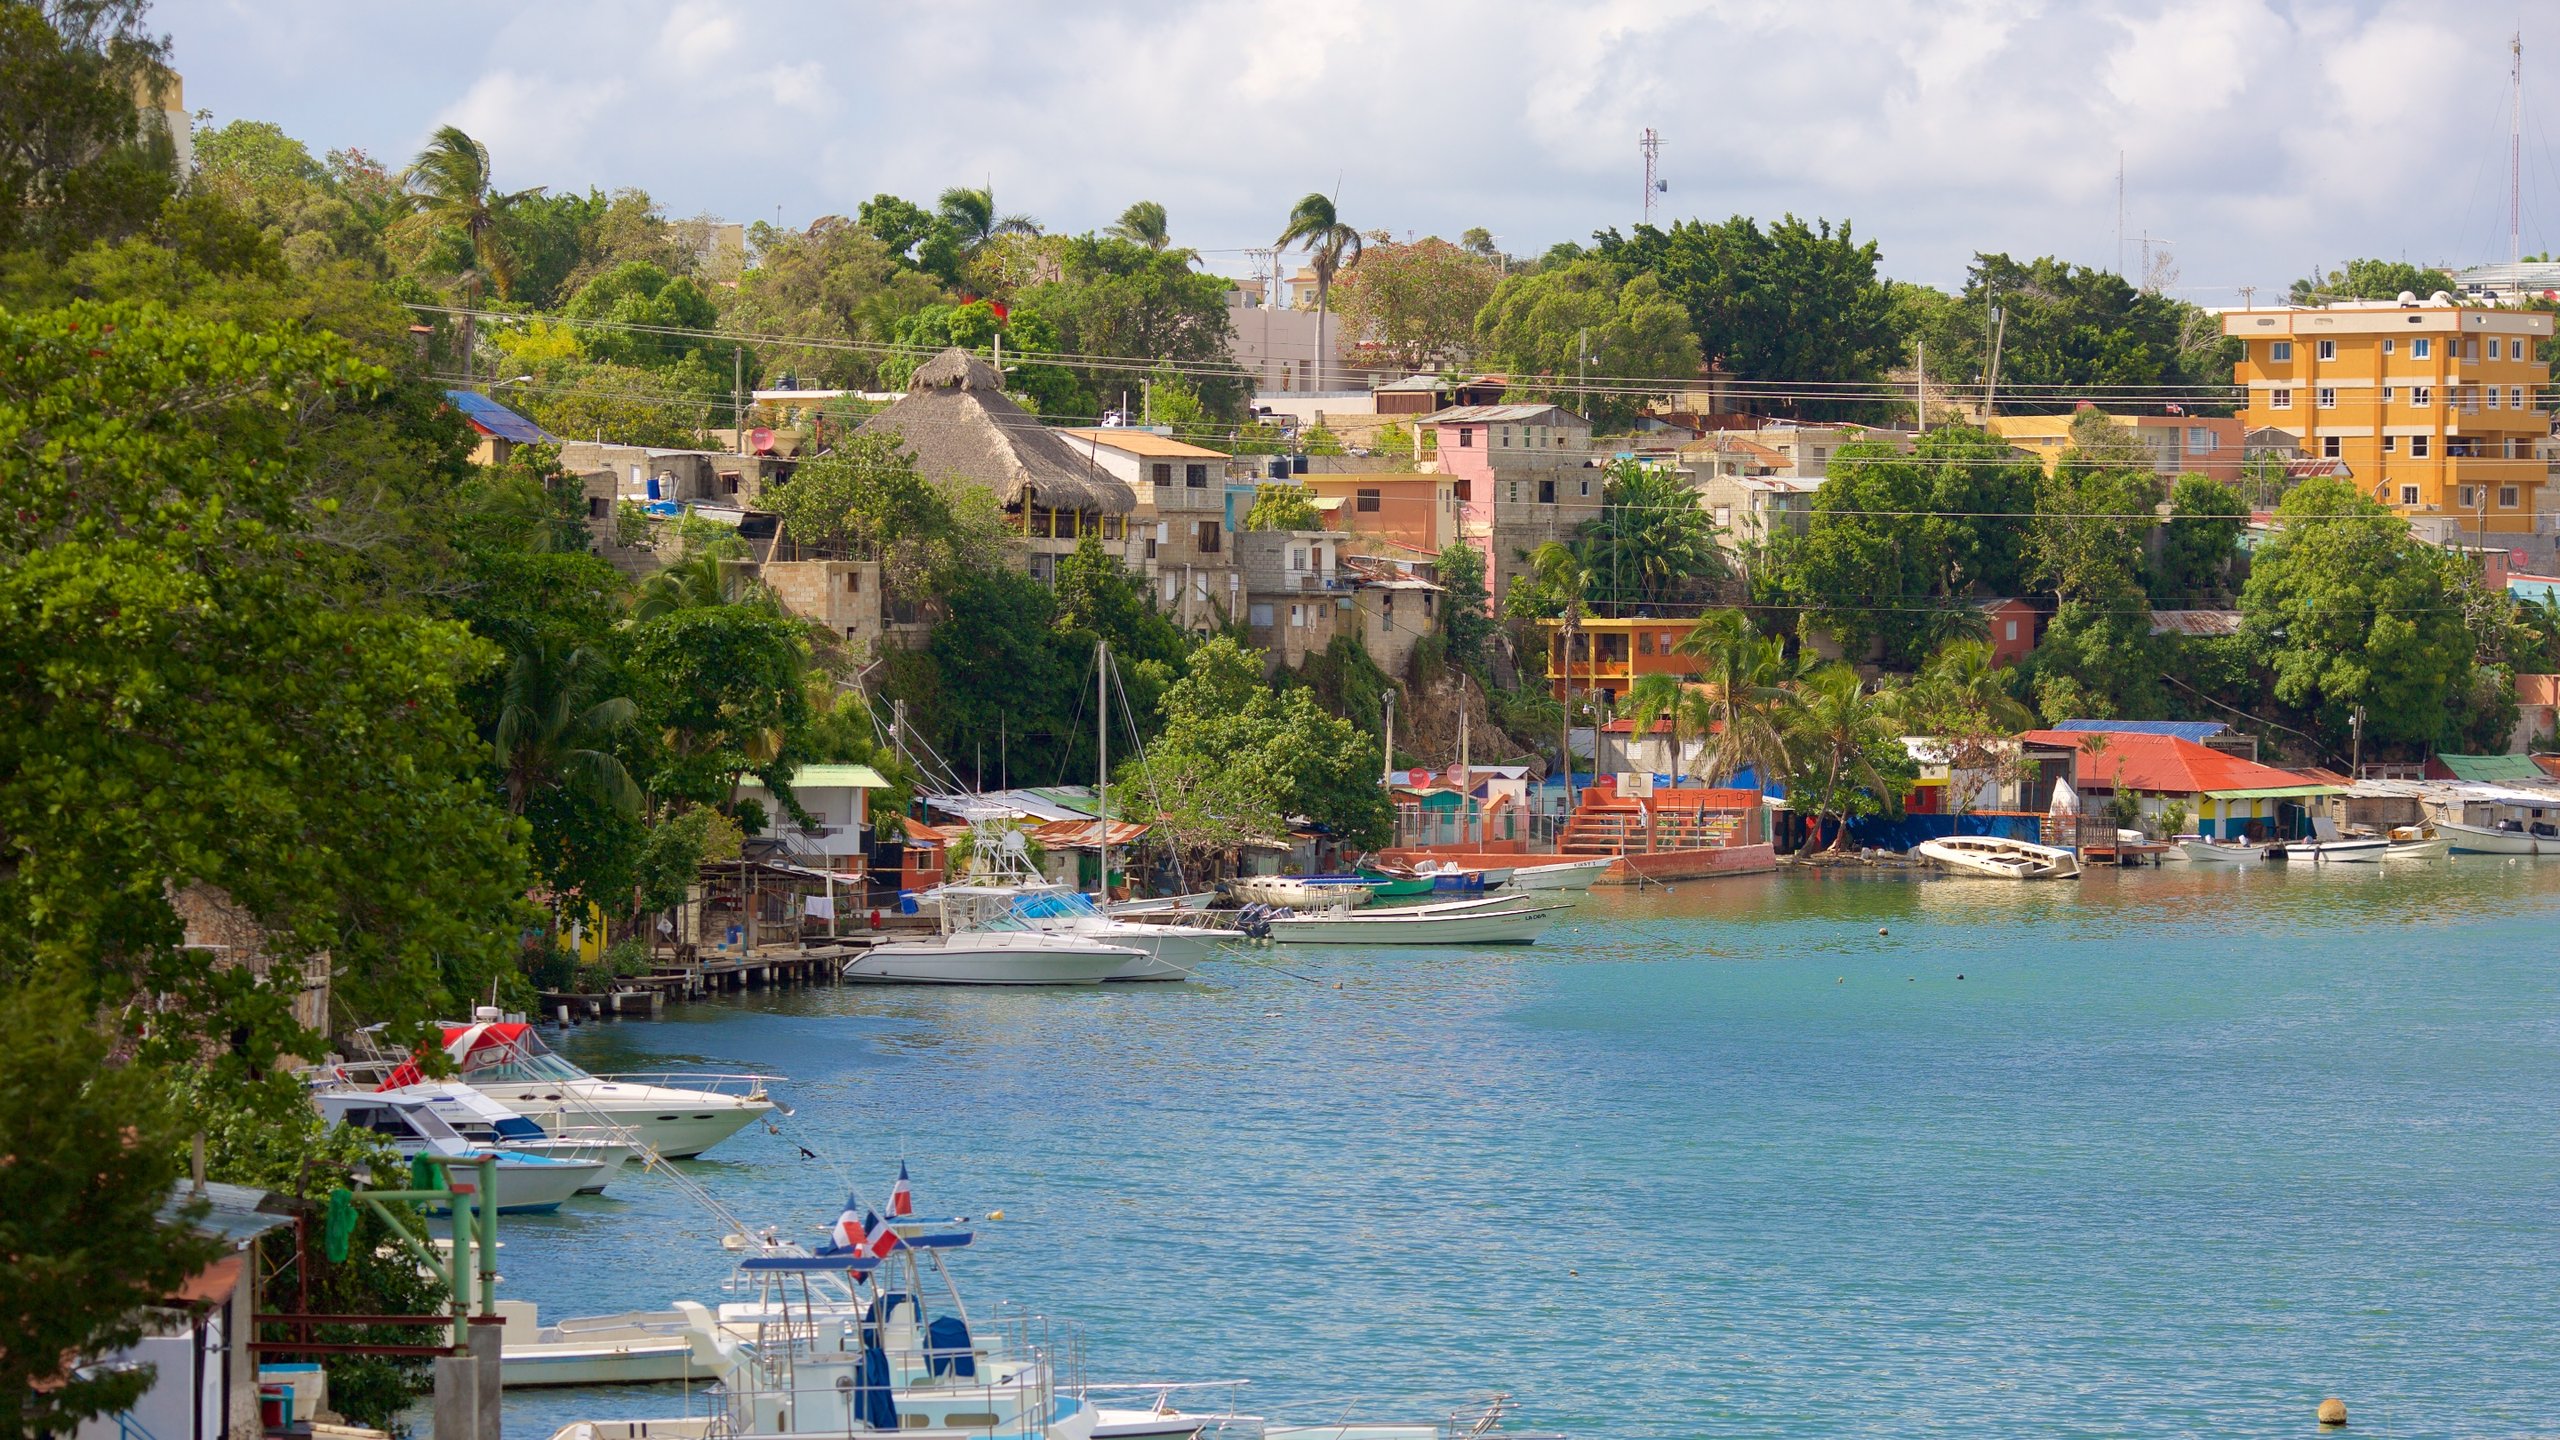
{"x": 995, "y": 1214}
{"x": 1882, "y": 931}
{"x": 2333, "y": 1411}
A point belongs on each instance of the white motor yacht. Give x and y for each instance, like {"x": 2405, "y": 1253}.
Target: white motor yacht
{"x": 675, "y": 1115}
{"x": 994, "y": 957}
{"x": 526, "y": 1184}
{"x": 1175, "y": 943}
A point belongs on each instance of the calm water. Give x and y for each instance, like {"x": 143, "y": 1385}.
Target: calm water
{"x": 2160, "y": 1153}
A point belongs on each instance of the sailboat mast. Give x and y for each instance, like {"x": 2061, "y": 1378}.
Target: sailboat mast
{"x": 1102, "y": 755}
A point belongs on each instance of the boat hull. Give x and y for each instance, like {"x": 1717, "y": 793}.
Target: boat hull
{"x": 1298, "y": 894}
{"x": 677, "y": 1123}
{"x": 981, "y": 960}
{"x": 2205, "y": 852}
{"x": 1490, "y": 926}
{"x": 2335, "y": 852}
{"x": 1996, "y": 859}
{"x": 2481, "y": 840}
{"x": 2435, "y": 849}
{"x": 1568, "y": 875}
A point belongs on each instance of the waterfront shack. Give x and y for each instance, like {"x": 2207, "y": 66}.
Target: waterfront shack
{"x": 2178, "y": 785}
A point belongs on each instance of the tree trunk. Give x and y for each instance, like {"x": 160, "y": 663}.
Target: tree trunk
{"x": 1324, "y": 293}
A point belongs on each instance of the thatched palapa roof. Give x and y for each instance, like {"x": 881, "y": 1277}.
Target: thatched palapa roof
{"x": 957, "y": 420}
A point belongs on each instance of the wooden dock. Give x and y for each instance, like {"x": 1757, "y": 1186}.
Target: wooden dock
{"x": 2123, "y": 853}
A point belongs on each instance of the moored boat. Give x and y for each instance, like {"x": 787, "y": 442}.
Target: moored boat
{"x": 2214, "y": 852}
{"x": 1573, "y": 875}
{"x": 2347, "y": 850}
{"x": 2435, "y": 849}
{"x": 524, "y": 1184}
{"x": 1302, "y": 892}
{"x": 993, "y": 957}
{"x": 1996, "y": 858}
{"x": 1493, "y": 920}
{"x": 2506, "y": 837}
{"x": 638, "y": 1347}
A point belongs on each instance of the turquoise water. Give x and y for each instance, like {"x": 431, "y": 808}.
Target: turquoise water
{"x": 2156, "y": 1153}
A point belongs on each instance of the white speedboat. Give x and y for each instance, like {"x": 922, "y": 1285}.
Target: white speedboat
{"x": 1997, "y": 858}
{"x": 2350, "y": 850}
{"x": 1298, "y": 892}
{"x": 1575, "y": 875}
{"x": 2215, "y": 852}
{"x": 1495, "y": 920}
{"x": 674, "y": 1115}
{"x": 1175, "y": 943}
{"x": 483, "y": 1121}
{"x": 993, "y": 957}
{"x": 2435, "y": 849}
{"x": 524, "y": 1184}
{"x": 2506, "y": 837}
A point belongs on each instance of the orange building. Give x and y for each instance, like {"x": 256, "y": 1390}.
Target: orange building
{"x": 1608, "y": 655}
{"x": 1414, "y": 509}
{"x": 2433, "y": 408}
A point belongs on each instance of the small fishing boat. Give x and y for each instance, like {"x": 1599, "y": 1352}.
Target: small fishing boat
{"x": 1388, "y": 885}
{"x": 1302, "y": 892}
{"x": 1494, "y": 920}
{"x": 1575, "y": 875}
{"x": 2000, "y": 859}
{"x": 2215, "y": 852}
{"x": 2346, "y": 850}
{"x": 636, "y": 1347}
{"x": 525, "y": 1184}
{"x": 2508, "y": 836}
{"x": 1162, "y": 904}
{"x": 2434, "y": 849}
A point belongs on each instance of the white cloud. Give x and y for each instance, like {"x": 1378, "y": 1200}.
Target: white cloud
{"x": 2260, "y": 135}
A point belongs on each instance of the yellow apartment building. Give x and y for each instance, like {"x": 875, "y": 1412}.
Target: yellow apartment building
{"x": 2434, "y": 408}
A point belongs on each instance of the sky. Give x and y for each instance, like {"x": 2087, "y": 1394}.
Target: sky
{"x": 2257, "y": 140}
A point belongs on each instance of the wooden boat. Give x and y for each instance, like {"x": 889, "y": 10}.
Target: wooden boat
{"x": 1388, "y": 886}
{"x": 1301, "y": 892}
{"x": 1999, "y": 859}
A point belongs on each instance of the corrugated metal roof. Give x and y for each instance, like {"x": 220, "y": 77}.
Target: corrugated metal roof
{"x": 2492, "y": 769}
{"x": 2195, "y": 622}
{"x": 231, "y": 1211}
{"x": 831, "y": 777}
{"x": 2198, "y": 731}
{"x": 1496, "y": 414}
{"x": 1142, "y": 442}
{"x": 491, "y": 418}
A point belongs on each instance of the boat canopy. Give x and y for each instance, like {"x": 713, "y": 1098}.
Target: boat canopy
{"x": 948, "y": 1240}
{"x": 809, "y": 1264}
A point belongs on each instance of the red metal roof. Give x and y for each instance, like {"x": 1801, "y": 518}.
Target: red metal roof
{"x": 2162, "y": 763}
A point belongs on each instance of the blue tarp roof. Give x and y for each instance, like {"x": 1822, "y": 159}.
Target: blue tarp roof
{"x": 497, "y": 419}
{"x": 2198, "y": 731}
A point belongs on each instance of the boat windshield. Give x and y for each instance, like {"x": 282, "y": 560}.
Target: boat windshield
{"x": 526, "y": 1058}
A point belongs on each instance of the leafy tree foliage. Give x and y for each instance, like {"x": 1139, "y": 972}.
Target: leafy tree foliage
{"x": 1587, "y": 316}
{"x": 2200, "y": 545}
{"x": 1237, "y": 759}
{"x": 1282, "y": 507}
{"x": 2093, "y": 515}
{"x": 1898, "y": 543}
{"x": 79, "y": 162}
{"x": 639, "y": 293}
{"x": 1795, "y": 302}
{"x": 2369, "y": 280}
{"x": 2066, "y": 328}
{"x": 1466, "y": 616}
{"x": 724, "y": 681}
{"x": 1118, "y": 297}
{"x": 1651, "y": 544}
{"x": 834, "y": 281}
{"x": 2348, "y": 609}
{"x": 1845, "y": 754}
{"x": 1413, "y": 306}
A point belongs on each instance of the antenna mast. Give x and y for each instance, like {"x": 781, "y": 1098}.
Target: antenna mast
{"x": 2515, "y": 167}
{"x": 1652, "y": 147}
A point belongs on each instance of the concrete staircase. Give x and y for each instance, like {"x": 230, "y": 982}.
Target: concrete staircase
{"x": 1606, "y": 824}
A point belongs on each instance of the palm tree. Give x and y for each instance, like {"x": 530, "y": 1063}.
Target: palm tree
{"x": 697, "y": 580}
{"x": 971, "y": 217}
{"x": 449, "y": 184}
{"x": 1965, "y": 673}
{"x": 1752, "y": 704}
{"x": 1330, "y": 245}
{"x": 1557, "y": 582}
{"x": 1651, "y": 542}
{"x": 553, "y": 729}
{"x": 1654, "y": 697}
{"x": 1838, "y": 723}
{"x": 1142, "y": 224}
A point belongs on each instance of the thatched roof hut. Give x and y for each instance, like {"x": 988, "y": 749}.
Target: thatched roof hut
{"x": 959, "y": 423}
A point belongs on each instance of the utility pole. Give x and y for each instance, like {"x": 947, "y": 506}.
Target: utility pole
{"x": 1387, "y": 761}
{"x": 1920, "y": 390}
{"x": 1991, "y": 377}
{"x": 738, "y": 395}
{"x": 1146, "y": 400}
{"x": 2355, "y": 724}
{"x": 1581, "y": 368}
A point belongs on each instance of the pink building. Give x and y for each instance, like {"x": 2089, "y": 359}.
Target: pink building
{"x": 1524, "y": 477}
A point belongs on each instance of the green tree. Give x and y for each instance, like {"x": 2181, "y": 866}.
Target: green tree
{"x": 2099, "y": 660}
{"x": 1098, "y": 597}
{"x": 835, "y": 283}
{"x": 1750, "y": 711}
{"x": 2347, "y": 609}
{"x": 1587, "y": 317}
{"x": 2200, "y": 544}
{"x": 1142, "y": 224}
{"x": 642, "y": 296}
{"x": 1846, "y": 753}
{"x": 723, "y": 682}
{"x": 451, "y": 182}
{"x": 1651, "y": 544}
{"x": 79, "y": 161}
{"x": 89, "y": 1150}
{"x": 1653, "y": 698}
{"x": 1466, "y": 607}
{"x": 1413, "y": 307}
{"x": 2093, "y": 515}
{"x": 2066, "y": 330}
{"x": 1796, "y": 302}
{"x": 1316, "y": 227}
{"x": 1236, "y": 758}
{"x": 1899, "y": 543}
{"x": 314, "y": 214}
{"x": 2370, "y": 280}
{"x": 1000, "y": 669}
{"x": 556, "y": 728}
{"x": 1558, "y": 586}
{"x": 969, "y": 216}
{"x": 1282, "y": 507}
{"x": 1103, "y": 297}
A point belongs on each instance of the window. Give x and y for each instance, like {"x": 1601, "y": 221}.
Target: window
{"x": 2012, "y": 629}
{"x": 1724, "y": 517}
{"x": 1258, "y": 615}
{"x": 2493, "y": 397}
{"x": 2421, "y": 395}
{"x": 1365, "y": 502}
{"x": 2467, "y": 496}
{"x": 1161, "y": 472}
{"x": 2466, "y": 447}
{"x": 1151, "y": 550}
{"x": 1586, "y": 489}
{"x": 1515, "y": 492}
{"x": 2386, "y": 394}
{"x": 2470, "y": 349}
{"x": 2390, "y": 347}
{"x": 2507, "y": 497}
{"x": 853, "y": 582}
{"x": 2279, "y": 352}
{"x": 2417, "y": 448}
{"x": 2328, "y": 397}
{"x": 2390, "y": 444}
{"x": 1546, "y": 492}
{"x": 2409, "y": 495}
{"x": 2497, "y": 348}
{"x": 1466, "y": 437}
{"x": 2328, "y": 349}
{"x": 1297, "y": 557}
{"x": 598, "y": 507}
{"x": 2279, "y": 399}
{"x": 2420, "y": 347}
{"x": 1644, "y": 642}
{"x": 1195, "y": 477}
{"x": 2200, "y": 440}
{"x": 1114, "y": 528}
{"x": 1506, "y": 437}
{"x": 2515, "y": 397}
{"x": 2329, "y": 447}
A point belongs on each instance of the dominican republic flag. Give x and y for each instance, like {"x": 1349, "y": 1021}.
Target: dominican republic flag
{"x": 902, "y": 1203}
{"x": 847, "y": 1233}
{"x": 878, "y": 1238}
